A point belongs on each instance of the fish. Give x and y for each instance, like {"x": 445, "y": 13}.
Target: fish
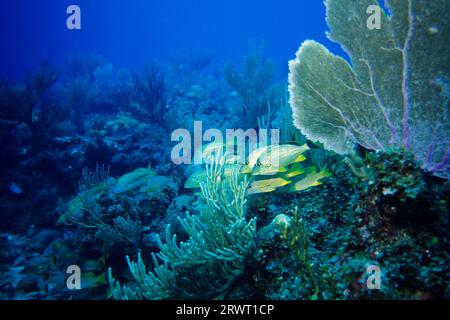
{"x": 14, "y": 188}
{"x": 200, "y": 176}
{"x": 39, "y": 264}
{"x": 212, "y": 150}
{"x": 132, "y": 180}
{"x": 357, "y": 165}
{"x": 230, "y": 169}
{"x": 74, "y": 209}
{"x": 233, "y": 159}
{"x": 195, "y": 179}
{"x": 90, "y": 280}
{"x": 311, "y": 179}
{"x": 258, "y": 167}
{"x": 252, "y": 159}
{"x": 295, "y": 170}
{"x": 267, "y": 185}
{"x": 154, "y": 184}
{"x": 209, "y": 151}
{"x": 277, "y": 158}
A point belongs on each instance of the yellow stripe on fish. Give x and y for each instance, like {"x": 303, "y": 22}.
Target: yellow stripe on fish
{"x": 277, "y": 158}
{"x": 311, "y": 179}
{"x": 295, "y": 170}
{"x": 267, "y": 185}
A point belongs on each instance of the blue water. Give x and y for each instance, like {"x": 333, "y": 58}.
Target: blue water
{"x": 129, "y": 33}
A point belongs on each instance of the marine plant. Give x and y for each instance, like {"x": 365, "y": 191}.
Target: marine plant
{"x": 252, "y": 84}
{"x": 103, "y": 209}
{"x": 83, "y": 65}
{"x": 149, "y": 96}
{"x": 399, "y": 194}
{"x": 90, "y": 179}
{"x": 394, "y": 94}
{"x": 220, "y": 246}
{"x": 284, "y": 122}
{"x": 79, "y": 94}
{"x": 30, "y": 104}
{"x": 92, "y": 86}
{"x": 292, "y": 231}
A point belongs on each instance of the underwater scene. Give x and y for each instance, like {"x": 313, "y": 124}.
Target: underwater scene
{"x": 225, "y": 150}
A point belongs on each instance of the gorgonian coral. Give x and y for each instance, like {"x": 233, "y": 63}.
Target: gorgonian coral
{"x": 393, "y": 95}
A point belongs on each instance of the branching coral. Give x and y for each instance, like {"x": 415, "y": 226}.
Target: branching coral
{"x": 83, "y": 65}
{"x": 79, "y": 95}
{"x": 123, "y": 229}
{"x": 156, "y": 285}
{"x": 90, "y": 179}
{"x": 28, "y": 104}
{"x": 149, "y": 97}
{"x": 284, "y": 122}
{"x": 86, "y": 212}
{"x": 293, "y": 231}
{"x": 394, "y": 95}
{"x": 252, "y": 84}
{"x": 221, "y": 241}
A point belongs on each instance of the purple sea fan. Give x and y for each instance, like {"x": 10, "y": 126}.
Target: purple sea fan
{"x": 395, "y": 93}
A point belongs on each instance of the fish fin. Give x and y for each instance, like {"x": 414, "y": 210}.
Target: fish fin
{"x": 295, "y": 170}
{"x": 300, "y": 158}
{"x": 246, "y": 170}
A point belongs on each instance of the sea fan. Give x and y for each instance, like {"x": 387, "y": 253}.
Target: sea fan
{"x": 393, "y": 95}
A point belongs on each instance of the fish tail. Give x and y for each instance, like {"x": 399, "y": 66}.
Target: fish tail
{"x": 324, "y": 173}
{"x": 102, "y": 278}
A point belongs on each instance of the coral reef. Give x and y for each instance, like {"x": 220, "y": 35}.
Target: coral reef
{"x": 119, "y": 211}
{"x": 220, "y": 245}
{"x": 88, "y": 179}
